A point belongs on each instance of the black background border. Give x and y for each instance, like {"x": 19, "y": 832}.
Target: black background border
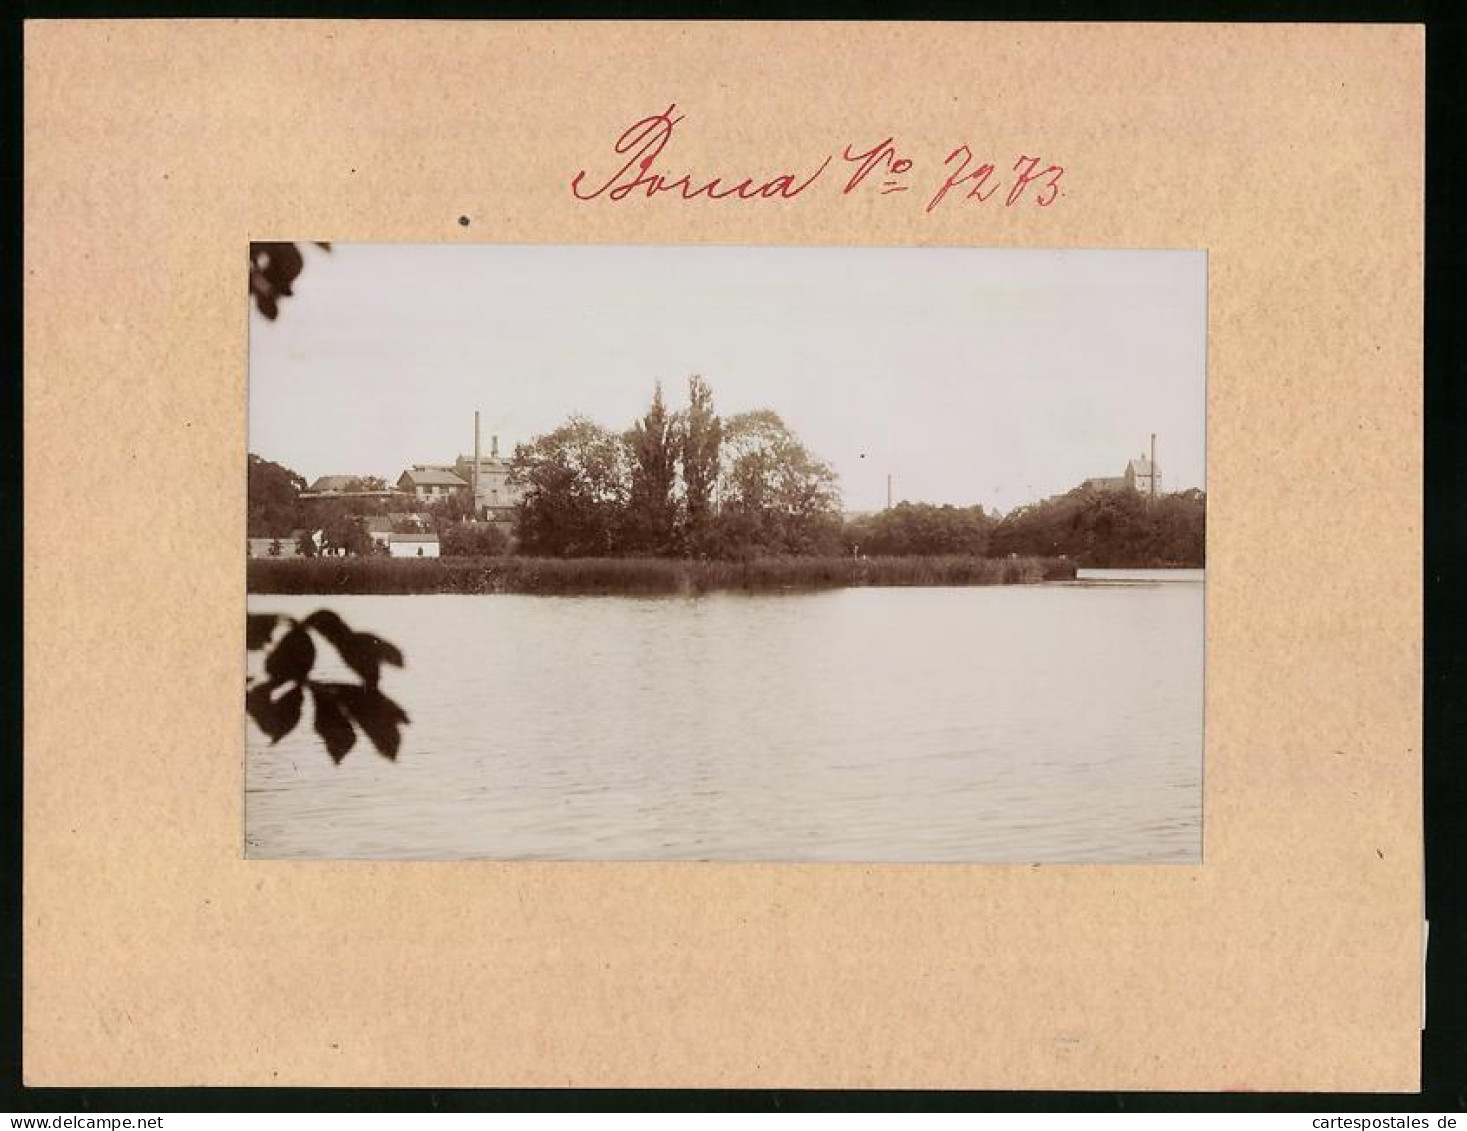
{"x": 1444, "y": 1043}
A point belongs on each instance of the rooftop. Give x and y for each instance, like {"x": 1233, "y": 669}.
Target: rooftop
{"x": 432, "y": 477}
{"x": 334, "y": 482}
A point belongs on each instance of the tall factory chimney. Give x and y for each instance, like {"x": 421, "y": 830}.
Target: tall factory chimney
{"x": 1153, "y": 465}
{"x": 888, "y": 490}
{"x": 475, "y": 477}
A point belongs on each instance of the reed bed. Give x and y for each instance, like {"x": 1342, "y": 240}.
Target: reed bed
{"x": 588, "y": 576}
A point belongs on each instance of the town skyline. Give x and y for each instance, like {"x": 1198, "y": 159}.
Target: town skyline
{"x": 320, "y": 484}
{"x": 996, "y": 403}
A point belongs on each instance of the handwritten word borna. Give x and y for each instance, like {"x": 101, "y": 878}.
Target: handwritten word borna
{"x": 638, "y": 169}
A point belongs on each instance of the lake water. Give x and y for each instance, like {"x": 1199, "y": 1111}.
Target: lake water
{"x": 1043, "y": 723}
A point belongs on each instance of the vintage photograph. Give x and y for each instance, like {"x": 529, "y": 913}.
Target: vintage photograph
{"x": 700, "y": 553}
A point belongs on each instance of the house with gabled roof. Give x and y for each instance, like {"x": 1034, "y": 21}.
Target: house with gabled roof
{"x": 1142, "y": 475}
{"x": 431, "y": 483}
{"x": 379, "y": 529}
{"x": 333, "y": 484}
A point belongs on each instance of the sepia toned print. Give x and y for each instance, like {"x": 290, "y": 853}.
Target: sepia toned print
{"x": 744, "y": 554}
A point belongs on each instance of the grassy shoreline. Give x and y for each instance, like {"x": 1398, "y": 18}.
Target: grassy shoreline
{"x": 623, "y": 576}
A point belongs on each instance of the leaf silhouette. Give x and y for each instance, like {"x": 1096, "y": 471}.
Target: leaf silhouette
{"x": 259, "y": 627}
{"x": 341, "y": 709}
{"x": 378, "y": 716}
{"x": 273, "y": 268}
{"x": 388, "y": 652}
{"x": 329, "y": 625}
{"x": 332, "y": 723}
{"x": 363, "y": 652}
{"x": 292, "y": 657}
{"x": 276, "y": 717}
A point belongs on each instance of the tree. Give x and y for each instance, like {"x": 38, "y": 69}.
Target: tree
{"x": 651, "y": 510}
{"x": 473, "y": 540}
{"x": 1109, "y": 528}
{"x": 922, "y": 530}
{"x": 305, "y": 545}
{"x": 1179, "y": 528}
{"x": 699, "y": 441}
{"x": 455, "y": 507}
{"x": 576, "y": 482}
{"x": 774, "y": 496}
{"x": 273, "y": 498}
{"x": 347, "y": 534}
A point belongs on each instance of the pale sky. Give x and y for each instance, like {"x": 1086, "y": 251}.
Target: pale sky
{"x": 970, "y": 375}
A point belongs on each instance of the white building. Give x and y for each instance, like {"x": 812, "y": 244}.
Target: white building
{"x": 1141, "y": 475}
{"x": 413, "y": 545}
{"x": 1144, "y": 476}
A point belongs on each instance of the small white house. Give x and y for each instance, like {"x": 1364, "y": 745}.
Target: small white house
{"x": 413, "y": 545}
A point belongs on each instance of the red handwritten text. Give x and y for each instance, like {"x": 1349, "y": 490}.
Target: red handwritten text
{"x": 984, "y": 184}
{"x": 882, "y": 169}
{"x": 881, "y": 152}
{"x": 643, "y": 142}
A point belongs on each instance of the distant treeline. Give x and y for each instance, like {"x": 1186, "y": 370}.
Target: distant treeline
{"x": 1100, "y": 528}
{"x": 1110, "y": 529}
{"x": 563, "y": 576}
{"x": 692, "y": 484}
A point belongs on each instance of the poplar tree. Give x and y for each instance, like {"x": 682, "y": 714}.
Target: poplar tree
{"x": 651, "y": 511}
{"x": 702, "y": 435}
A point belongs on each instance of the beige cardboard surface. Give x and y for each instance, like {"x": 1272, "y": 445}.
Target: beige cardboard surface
{"x": 155, "y": 954}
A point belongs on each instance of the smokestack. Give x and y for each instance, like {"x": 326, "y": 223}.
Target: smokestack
{"x": 888, "y": 490}
{"x": 475, "y": 477}
{"x": 494, "y": 446}
{"x": 1153, "y": 465}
